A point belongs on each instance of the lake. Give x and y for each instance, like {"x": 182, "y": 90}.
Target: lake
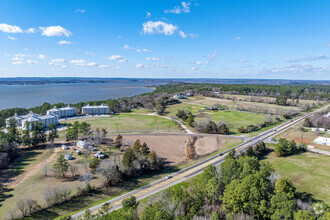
{"x": 27, "y": 96}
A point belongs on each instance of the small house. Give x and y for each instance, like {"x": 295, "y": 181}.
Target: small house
{"x": 179, "y": 96}
{"x": 78, "y": 152}
{"x": 83, "y": 144}
{"x": 99, "y": 155}
{"x": 64, "y": 147}
{"x": 68, "y": 157}
{"x": 322, "y": 129}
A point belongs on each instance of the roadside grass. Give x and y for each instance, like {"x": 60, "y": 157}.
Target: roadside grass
{"x": 81, "y": 203}
{"x": 309, "y": 173}
{"x": 130, "y": 122}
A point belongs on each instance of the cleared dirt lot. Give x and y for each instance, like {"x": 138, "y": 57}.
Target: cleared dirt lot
{"x": 172, "y": 147}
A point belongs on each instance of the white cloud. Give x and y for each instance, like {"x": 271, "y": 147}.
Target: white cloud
{"x": 7, "y": 54}
{"x": 206, "y": 62}
{"x": 79, "y": 11}
{"x": 19, "y": 55}
{"x": 194, "y": 68}
{"x": 10, "y": 28}
{"x": 118, "y": 58}
{"x": 240, "y": 61}
{"x": 17, "y": 58}
{"x": 62, "y": 42}
{"x": 140, "y": 66}
{"x": 30, "y": 31}
{"x": 237, "y": 38}
{"x": 148, "y": 14}
{"x": 159, "y": 27}
{"x": 147, "y": 51}
{"x": 57, "y": 62}
{"x": 31, "y": 61}
{"x": 104, "y": 66}
{"x": 18, "y": 62}
{"x": 26, "y": 49}
{"x": 154, "y": 59}
{"x": 56, "y": 31}
{"x": 321, "y": 56}
{"x": 182, "y": 34}
{"x": 126, "y": 47}
{"x": 41, "y": 57}
{"x": 183, "y": 8}
{"x": 12, "y": 38}
{"x": 82, "y": 63}
{"x": 198, "y": 62}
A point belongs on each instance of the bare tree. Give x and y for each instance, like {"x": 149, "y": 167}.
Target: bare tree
{"x": 86, "y": 178}
{"x": 109, "y": 171}
{"x": 11, "y": 215}
{"x": 27, "y": 206}
{"x": 73, "y": 169}
{"x": 44, "y": 170}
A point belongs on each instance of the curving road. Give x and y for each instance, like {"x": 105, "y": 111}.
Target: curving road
{"x": 195, "y": 169}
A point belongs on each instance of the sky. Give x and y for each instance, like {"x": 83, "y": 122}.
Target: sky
{"x": 265, "y": 39}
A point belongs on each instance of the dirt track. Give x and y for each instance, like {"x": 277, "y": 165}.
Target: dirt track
{"x": 31, "y": 172}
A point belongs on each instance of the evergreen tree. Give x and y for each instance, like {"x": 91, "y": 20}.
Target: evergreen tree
{"x": 52, "y": 132}
{"x": 61, "y": 166}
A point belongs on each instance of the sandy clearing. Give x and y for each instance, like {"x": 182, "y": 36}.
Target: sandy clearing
{"x": 207, "y": 145}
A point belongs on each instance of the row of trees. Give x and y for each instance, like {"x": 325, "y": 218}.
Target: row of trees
{"x": 317, "y": 120}
{"x": 241, "y": 188}
{"x": 10, "y": 141}
{"x": 186, "y": 116}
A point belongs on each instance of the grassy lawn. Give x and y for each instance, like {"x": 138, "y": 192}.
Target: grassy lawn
{"x": 128, "y": 122}
{"x": 234, "y": 118}
{"x": 309, "y": 172}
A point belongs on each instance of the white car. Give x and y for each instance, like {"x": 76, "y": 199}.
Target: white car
{"x": 168, "y": 177}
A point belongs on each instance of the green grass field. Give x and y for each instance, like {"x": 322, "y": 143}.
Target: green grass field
{"x": 309, "y": 172}
{"x": 234, "y": 118}
{"x": 129, "y": 122}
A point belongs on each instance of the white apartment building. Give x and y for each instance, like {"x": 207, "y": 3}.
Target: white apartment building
{"x": 95, "y": 110}
{"x": 322, "y": 140}
{"x": 31, "y": 118}
{"x": 63, "y": 112}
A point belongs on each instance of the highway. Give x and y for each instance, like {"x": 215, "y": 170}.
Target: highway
{"x": 195, "y": 169}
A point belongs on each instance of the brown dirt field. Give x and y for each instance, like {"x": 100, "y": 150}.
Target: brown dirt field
{"x": 169, "y": 147}
{"x": 207, "y": 145}
{"x": 172, "y": 147}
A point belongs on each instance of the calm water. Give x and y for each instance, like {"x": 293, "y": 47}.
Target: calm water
{"x": 28, "y": 96}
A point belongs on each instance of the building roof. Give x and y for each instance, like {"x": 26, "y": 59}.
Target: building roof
{"x": 323, "y": 139}
{"x": 96, "y": 106}
{"x": 47, "y": 116}
{"x": 31, "y": 114}
{"x": 67, "y": 108}
{"x": 32, "y": 119}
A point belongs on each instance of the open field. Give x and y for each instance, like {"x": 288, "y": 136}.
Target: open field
{"x": 130, "y": 122}
{"x": 309, "y": 172}
{"x": 253, "y": 106}
{"x": 234, "y": 118}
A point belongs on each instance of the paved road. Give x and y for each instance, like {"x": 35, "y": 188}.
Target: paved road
{"x": 193, "y": 170}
